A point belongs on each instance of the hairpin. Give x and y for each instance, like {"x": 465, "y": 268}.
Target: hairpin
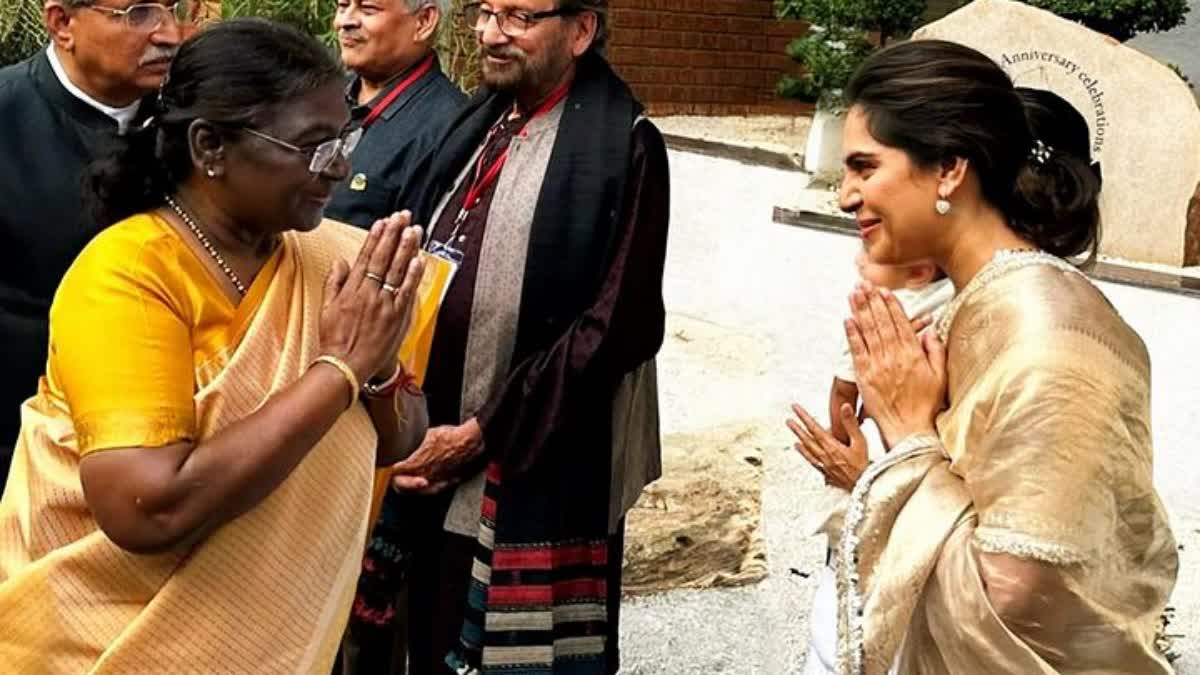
{"x": 1041, "y": 153}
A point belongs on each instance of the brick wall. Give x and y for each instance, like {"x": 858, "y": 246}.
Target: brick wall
{"x": 704, "y": 57}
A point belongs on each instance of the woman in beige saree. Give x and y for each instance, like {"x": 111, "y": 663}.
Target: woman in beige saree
{"x": 1016, "y": 530}
{"x": 192, "y": 483}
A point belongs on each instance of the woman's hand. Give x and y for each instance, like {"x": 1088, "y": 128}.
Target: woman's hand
{"x": 840, "y": 464}
{"x": 901, "y": 378}
{"x": 367, "y": 307}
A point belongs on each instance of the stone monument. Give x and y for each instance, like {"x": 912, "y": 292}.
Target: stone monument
{"x": 1144, "y": 120}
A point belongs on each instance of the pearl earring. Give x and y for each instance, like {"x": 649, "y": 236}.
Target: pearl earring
{"x": 942, "y": 205}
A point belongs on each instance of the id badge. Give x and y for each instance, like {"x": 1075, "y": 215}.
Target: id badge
{"x": 448, "y": 261}
{"x": 446, "y": 252}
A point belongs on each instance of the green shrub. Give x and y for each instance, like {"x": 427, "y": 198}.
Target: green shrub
{"x": 1183, "y": 76}
{"x": 1121, "y": 19}
{"x": 830, "y": 57}
{"x": 459, "y": 49}
{"x": 314, "y": 17}
{"x": 841, "y": 35}
{"x": 21, "y": 30}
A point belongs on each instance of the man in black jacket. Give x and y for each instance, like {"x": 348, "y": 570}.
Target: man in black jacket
{"x": 398, "y": 93}
{"x": 63, "y": 108}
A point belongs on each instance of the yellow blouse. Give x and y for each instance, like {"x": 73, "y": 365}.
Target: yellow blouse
{"x": 137, "y": 326}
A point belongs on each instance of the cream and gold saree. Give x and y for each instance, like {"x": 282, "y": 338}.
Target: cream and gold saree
{"x": 267, "y": 593}
{"x": 1045, "y": 456}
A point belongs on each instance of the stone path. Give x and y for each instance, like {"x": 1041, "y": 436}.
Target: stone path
{"x": 778, "y": 293}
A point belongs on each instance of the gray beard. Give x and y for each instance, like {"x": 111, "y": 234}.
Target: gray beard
{"x": 508, "y": 80}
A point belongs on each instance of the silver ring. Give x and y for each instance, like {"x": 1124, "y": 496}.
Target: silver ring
{"x": 375, "y": 277}
{"x": 390, "y": 288}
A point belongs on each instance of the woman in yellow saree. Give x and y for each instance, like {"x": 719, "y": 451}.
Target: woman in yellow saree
{"x": 191, "y": 487}
{"x": 1016, "y": 531}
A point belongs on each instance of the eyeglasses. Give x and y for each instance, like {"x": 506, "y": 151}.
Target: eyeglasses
{"x": 320, "y": 155}
{"x": 512, "y": 23}
{"x": 150, "y": 16}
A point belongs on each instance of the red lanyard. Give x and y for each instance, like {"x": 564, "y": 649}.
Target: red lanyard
{"x": 396, "y": 91}
{"x": 479, "y": 184}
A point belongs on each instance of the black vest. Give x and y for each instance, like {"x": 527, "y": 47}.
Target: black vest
{"x": 46, "y": 143}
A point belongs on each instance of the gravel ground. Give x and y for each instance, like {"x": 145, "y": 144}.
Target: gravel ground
{"x": 784, "y": 289}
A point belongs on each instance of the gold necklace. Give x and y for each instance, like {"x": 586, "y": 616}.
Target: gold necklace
{"x": 208, "y": 245}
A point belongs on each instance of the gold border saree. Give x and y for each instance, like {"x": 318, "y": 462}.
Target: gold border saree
{"x": 1044, "y": 455}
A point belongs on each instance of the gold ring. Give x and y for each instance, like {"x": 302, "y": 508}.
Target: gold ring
{"x": 390, "y": 288}
{"x": 375, "y": 277}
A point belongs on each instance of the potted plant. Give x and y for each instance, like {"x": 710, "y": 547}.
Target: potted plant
{"x": 841, "y": 34}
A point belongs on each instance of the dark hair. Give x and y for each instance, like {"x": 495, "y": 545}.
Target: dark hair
{"x": 1065, "y": 182}
{"x": 227, "y": 74}
{"x": 938, "y": 100}
{"x": 600, "y": 9}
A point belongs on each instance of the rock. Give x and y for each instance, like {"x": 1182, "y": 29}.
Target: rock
{"x": 1191, "y": 238}
{"x": 1144, "y": 120}
{"x": 700, "y": 526}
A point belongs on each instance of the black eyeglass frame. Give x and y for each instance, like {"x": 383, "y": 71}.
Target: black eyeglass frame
{"x": 529, "y": 19}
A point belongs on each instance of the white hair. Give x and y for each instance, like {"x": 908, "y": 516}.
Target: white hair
{"x": 443, "y": 7}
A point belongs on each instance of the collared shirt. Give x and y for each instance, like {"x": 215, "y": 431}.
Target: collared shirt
{"x": 123, "y": 116}
{"x": 391, "y": 148}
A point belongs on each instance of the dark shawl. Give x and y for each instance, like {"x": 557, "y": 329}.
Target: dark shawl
{"x": 548, "y": 486}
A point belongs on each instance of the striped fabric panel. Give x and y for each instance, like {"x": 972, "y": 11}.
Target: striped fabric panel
{"x": 513, "y": 656}
{"x": 533, "y": 609}
{"x": 546, "y": 620}
{"x": 520, "y": 621}
{"x": 481, "y": 572}
{"x": 588, "y": 645}
{"x": 595, "y": 554}
{"x": 542, "y": 655}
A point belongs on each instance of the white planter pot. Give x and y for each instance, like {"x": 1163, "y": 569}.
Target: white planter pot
{"x": 823, "y": 151}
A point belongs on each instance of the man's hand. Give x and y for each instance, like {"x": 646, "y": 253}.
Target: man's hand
{"x": 438, "y": 462}
{"x": 842, "y": 464}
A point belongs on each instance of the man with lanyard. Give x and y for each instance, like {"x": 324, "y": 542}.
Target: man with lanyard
{"x": 550, "y": 195}
{"x": 399, "y": 94}
{"x": 62, "y": 108}
{"x": 404, "y": 102}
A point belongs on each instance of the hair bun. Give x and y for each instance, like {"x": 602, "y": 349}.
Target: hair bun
{"x": 1056, "y": 204}
{"x": 1056, "y": 195}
